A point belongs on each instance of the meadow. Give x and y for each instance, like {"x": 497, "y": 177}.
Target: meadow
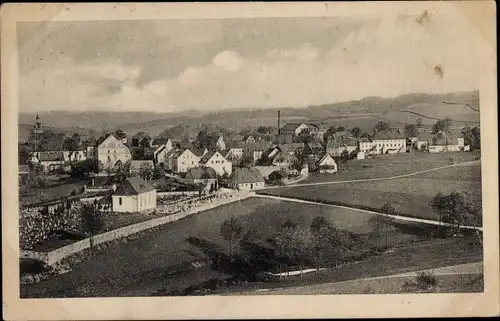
{"x": 409, "y": 195}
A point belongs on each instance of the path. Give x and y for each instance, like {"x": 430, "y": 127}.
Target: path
{"x": 396, "y": 217}
{"x": 346, "y": 286}
{"x": 377, "y": 179}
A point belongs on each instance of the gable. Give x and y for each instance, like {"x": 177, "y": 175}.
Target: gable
{"x": 111, "y": 142}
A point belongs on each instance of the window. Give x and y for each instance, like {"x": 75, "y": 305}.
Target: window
{"x": 120, "y": 201}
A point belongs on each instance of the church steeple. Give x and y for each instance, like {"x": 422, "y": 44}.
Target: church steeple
{"x": 37, "y": 126}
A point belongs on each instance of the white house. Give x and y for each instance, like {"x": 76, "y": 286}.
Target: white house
{"x": 360, "y": 155}
{"x": 297, "y": 128}
{"x": 446, "y": 142}
{"x": 335, "y": 147}
{"x": 51, "y": 160}
{"x": 327, "y": 164}
{"x": 112, "y": 150}
{"x": 246, "y": 179}
{"x": 75, "y": 156}
{"x": 134, "y": 195}
{"x": 215, "y": 160}
{"x": 180, "y": 160}
{"x": 160, "y": 152}
{"x": 384, "y": 142}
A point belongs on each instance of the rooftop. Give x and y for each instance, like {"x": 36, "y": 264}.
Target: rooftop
{"x": 134, "y": 186}
{"x": 201, "y": 173}
{"x": 246, "y": 175}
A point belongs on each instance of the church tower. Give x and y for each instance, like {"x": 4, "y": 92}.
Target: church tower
{"x": 37, "y": 126}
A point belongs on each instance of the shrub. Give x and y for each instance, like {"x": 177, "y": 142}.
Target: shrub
{"x": 426, "y": 280}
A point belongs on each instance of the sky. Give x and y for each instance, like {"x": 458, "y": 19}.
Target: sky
{"x": 217, "y": 64}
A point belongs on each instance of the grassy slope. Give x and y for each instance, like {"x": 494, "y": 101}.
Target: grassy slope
{"x": 410, "y": 195}
{"x": 417, "y": 256}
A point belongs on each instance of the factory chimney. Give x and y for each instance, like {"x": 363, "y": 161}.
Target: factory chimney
{"x": 279, "y": 125}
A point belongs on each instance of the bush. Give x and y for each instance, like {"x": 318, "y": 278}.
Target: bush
{"x": 31, "y": 266}
{"x": 425, "y": 282}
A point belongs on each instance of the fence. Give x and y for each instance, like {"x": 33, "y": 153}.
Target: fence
{"x": 59, "y": 254}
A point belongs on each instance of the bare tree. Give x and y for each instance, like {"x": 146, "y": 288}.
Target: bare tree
{"x": 231, "y": 230}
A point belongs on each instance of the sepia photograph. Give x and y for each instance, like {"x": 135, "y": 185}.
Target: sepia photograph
{"x": 212, "y": 155}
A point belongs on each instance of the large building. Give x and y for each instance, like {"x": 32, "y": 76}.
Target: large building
{"x": 384, "y": 142}
{"x": 134, "y": 195}
{"x": 111, "y": 151}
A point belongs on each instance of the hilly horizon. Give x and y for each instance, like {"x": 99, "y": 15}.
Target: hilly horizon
{"x": 363, "y": 113}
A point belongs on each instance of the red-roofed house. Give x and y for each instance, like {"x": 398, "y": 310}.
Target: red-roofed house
{"x": 134, "y": 195}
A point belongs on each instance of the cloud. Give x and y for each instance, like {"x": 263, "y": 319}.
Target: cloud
{"x": 228, "y": 60}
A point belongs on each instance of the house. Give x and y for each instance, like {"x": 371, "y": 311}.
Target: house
{"x": 327, "y": 164}
{"x": 389, "y": 142}
{"x": 180, "y": 160}
{"x": 136, "y": 165}
{"x": 360, "y": 155}
{"x": 277, "y": 176}
{"x": 161, "y": 151}
{"x": 296, "y": 129}
{"x": 290, "y": 148}
{"x": 446, "y": 142}
{"x": 160, "y": 141}
{"x": 249, "y": 139}
{"x": 75, "y": 156}
{"x": 202, "y": 175}
{"x": 134, "y": 195}
{"x": 384, "y": 142}
{"x": 421, "y": 142}
{"x": 215, "y": 160}
{"x": 111, "y": 151}
{"x": 265, "y": 171}
{"x": 338, "y": 144}
{"x": 233, "y": 153}
{"x": 51, "y": 160}
{"x": 246, "y": 179}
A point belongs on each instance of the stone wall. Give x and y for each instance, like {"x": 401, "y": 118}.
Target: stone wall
{"x": 59, "y": 254}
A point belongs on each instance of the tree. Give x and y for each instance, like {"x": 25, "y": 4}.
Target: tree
{"x": 329, "y": 133}
{"x": 476, "y": 138}
{"x": 419, "y": 122}
{"x": 120, "y": 134}
{"x": 231, "y": 231}
{"x": 344, "y": 157}
{"x": 157, "y": 172}
{"x": 442, "y": 125}
{"x": 382, "y": 126}
{"x": 146, "y": 171}
{"x": 24, "y": 154}
{"x": 411, "y": 130}
{"x": 92, "y": 220}
{"x": 356, "y": 131}
{"x": 301, "y": 245}
{"x": 298, "y": 160}
{"x": 265, "y": 129}
{"x": 246, "y": 161}
{"x": 284, "y": 241}
{"x": 386, "y": 220}
{"x": 145, "y": 142}
{"x": 73, "y": 143}
{"x": 449, "y": 208}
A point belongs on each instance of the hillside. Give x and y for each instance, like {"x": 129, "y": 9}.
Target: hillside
{"x": 363, "y": 113}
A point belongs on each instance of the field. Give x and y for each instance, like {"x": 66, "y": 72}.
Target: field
{"x": 151, "y": 256}
{"x": 409, "y": 196}
{"x": 393, "y": 165}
